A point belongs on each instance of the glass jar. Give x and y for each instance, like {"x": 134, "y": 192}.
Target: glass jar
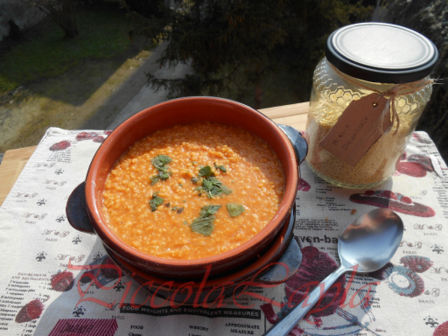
{"x": 387, "y": 63}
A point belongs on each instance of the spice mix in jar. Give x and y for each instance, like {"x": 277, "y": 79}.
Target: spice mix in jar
{"x": 368, "y": 94}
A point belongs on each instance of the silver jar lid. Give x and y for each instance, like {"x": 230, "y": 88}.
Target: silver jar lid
{"x": 381, "y": 52}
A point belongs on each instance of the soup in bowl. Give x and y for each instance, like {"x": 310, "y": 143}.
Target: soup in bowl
{"x": 190, "y": 183}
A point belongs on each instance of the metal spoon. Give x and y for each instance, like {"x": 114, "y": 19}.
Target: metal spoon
{"x": 365, "y": 246}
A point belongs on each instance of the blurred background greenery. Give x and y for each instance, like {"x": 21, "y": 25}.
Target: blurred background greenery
{"x": 261, "y": 53}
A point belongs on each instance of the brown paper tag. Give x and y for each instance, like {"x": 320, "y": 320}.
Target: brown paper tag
{"x": 358, "y": 128}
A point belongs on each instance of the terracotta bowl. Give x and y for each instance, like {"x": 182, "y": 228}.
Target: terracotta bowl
{"x": 277, "y": 264}
{"x": 182, "y": 111}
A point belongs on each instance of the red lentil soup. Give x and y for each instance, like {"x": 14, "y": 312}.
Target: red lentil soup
{"x": 193, "y": 191}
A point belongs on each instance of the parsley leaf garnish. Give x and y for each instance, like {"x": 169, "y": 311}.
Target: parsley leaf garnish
{"x": 155, "y": 201}
{"x": 210, "y": 185}
{"x": 234, "y": 209}
{"x": 206, "y": 171}
{"x": 208, "y": 210}
{"x": 160, "y": 162}
{"x": 204, "y": 223}
{"x": 220, "y": 167}
{"x": 214, "y": 187}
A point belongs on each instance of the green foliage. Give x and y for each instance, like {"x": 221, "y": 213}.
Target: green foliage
{"x": 308, "y": 24}
{"x": 102, "y": 34}
{"x": 219, "y": 39}
{"x": 235, "y": 47}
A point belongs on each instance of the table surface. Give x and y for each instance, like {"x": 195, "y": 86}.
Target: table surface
{"x": 15, "y": 159}
{"x": 44, "y": 258}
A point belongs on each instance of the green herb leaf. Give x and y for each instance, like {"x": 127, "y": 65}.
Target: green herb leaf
{"x": 234, "y": 209}
{"x": 161, "y": 176}
{"x": 209, "y": 210}
{"x": 221, "y": 168}
{"x": 155, "y": 202}
{"x": 164, "y": 174}
{"x": 154, "y": 179}
{"x": 204, "y": 226}
{"x": 160, "y": 162}
{"x": 214, "y": 187}
{"x": 206, "y": 171}
{"x": 194, "y": 180}
{"x": 204, "y": 223}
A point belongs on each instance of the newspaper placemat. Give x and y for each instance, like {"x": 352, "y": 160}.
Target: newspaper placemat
{"x": 58, "y": 281}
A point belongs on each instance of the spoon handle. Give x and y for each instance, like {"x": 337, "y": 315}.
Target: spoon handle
{"x": 295, "y": 315}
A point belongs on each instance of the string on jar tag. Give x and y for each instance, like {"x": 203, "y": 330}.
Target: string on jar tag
{"x": 365, "y": 120}
{"x": 390, "y": 95}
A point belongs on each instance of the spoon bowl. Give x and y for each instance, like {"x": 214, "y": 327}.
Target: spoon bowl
{"x": 370, "y": 241}
{"x": 365, "y": 246}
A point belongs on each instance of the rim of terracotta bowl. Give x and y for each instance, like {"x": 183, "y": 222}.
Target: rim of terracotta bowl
{"x": 98, "y": 172}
